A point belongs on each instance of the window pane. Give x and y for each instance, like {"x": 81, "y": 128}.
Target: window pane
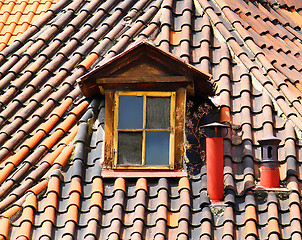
{"x": 157, "y": 148}
{"x": 129, "y": 148}
{"x": 130, "y": 112}
{"x": 158, "y": 112}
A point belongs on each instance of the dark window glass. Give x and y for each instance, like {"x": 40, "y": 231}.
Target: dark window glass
{"x": 158, "y": 113}
{"x": 157, "y": 148}
{"x": 130, "y": 112}
{"x": 130, "y": 148}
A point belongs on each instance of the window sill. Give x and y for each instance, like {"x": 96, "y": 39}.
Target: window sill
{"x": 106, "y": 173}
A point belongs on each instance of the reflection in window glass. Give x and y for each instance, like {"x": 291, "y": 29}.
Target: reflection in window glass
{"x": 130, "y": 112}
{"x": 158, "y": 113}
{"x": 130, "y": 148}
{"x": 157, "y": 148}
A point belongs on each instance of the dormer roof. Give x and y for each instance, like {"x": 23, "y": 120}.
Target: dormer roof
{"x": 146, "y": 65}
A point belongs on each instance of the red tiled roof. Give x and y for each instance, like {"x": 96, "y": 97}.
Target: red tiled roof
{"x": 17, "y": 16}
{"x": 51, "y": 137}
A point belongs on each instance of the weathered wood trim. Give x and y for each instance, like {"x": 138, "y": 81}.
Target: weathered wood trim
{"x": 109, "y": 123}
{"x": 180, "y": 127}
{"x": 151, "y": 173}
{"x": 145, "y": 93}
{"x": 155, "y": 79}
{"x": 155, "y": 167}
{"x": 172, "y": 135}
{"x": 144, "y": 131}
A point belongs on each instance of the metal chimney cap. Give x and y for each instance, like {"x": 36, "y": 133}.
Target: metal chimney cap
{"x": 269, "y": 139}
{"x": 215, "y": 129}
{"x": 215, "y": 124}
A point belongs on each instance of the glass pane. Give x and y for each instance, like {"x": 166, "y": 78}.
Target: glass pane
{"x": 157, "y": 148}
{"x": 158, "y": 112}
{"x": 129, "y": 148}
{"x": 130, "y": 112}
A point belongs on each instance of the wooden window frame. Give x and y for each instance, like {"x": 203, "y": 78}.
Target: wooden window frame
{"x": 144, "y": 94}
{"x": 177, "y": 114}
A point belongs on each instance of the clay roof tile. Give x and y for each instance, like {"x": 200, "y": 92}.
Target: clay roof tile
{"x": 142, "y": 184}
{"x": 252, "y": 49}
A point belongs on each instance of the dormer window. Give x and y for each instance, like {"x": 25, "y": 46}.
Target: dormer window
{"x": 145, "y": 92}
{"x": 144, "y": 129}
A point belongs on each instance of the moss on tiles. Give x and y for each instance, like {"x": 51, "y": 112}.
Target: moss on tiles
{"x": 282, "y": 194}
{"x": 261, "y": 195}
{"x": 218, "y": 209}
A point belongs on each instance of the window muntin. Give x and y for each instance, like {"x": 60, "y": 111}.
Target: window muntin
{"x": 147, "y": 118}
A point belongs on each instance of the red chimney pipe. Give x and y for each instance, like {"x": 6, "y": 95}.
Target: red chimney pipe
{"x": 214, "y": 159}
{"x": 269, "y": 177}
{"x": 269, "y": 170}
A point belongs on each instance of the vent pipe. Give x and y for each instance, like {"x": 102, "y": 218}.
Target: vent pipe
{"x": 214, "y": 158}
{"x": 269, "y": 170}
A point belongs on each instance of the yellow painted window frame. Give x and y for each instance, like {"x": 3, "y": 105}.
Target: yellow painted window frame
{"x": 145, "y": 94}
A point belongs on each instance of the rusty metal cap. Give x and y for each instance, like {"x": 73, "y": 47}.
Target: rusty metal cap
{"x": 215, "y": 124}
{"x": 269, "y": 140}
{"x": 215, "y": 129}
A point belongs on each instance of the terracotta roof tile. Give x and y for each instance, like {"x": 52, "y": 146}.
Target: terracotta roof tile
{"x": 141, "y": 184}
{"x": 11, "y": 211}
{"x": 257, "y": 81}
{"x": 12, "y": 13}
{"x": 251, "y": 229}
{"x": 5, "y": 228}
